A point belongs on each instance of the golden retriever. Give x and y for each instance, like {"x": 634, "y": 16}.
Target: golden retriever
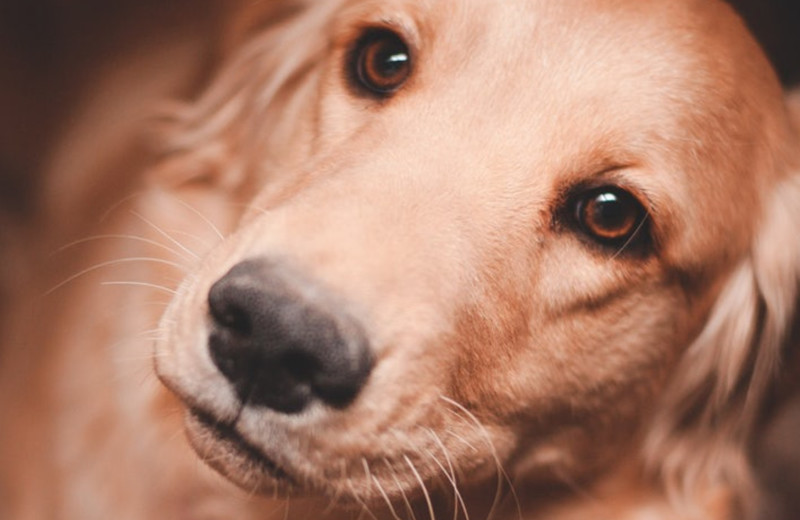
{"x": 488, "y": 260}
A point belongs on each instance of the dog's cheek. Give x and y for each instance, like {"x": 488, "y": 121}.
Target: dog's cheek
{"x": 592, "y": 386}
{"x": 533, "y": 359}
{"x": 591, "y": 372}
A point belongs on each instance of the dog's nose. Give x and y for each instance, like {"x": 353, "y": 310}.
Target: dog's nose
{"x": 282, "y": 342}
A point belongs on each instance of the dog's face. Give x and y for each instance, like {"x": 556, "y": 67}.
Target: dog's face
{"x": 496, "y": 230}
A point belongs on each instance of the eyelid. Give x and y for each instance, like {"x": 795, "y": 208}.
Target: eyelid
{"x": 618, "y": 175}
{"x": 566, "y": 221}
{"x": 355, "y": 21}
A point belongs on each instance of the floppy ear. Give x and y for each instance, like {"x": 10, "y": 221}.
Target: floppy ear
{"x": 699, "y": 439}
{"x": 250, "y": 113}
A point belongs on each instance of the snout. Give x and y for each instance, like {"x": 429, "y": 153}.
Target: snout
{"x": 282, "y": 341}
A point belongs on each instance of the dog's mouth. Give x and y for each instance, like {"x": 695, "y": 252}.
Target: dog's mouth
{"x": 223, "y": 448}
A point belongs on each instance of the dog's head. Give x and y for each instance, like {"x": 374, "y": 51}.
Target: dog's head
{"x": 544, "y": 235}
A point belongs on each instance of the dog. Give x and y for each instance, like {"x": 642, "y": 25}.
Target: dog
{"x": 501, "y": 260}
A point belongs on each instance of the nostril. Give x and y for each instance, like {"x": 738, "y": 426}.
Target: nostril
{"x": 233, "y": 307}
{"x": 278, "y": 347}
{"x": 300, "y": 366}
{"x": 230, "y": 315}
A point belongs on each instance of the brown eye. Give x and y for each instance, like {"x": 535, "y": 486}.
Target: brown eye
{"x": 380, "y": 62}
{"x": 610, "y": 215}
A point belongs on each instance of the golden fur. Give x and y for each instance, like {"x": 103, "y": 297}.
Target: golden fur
{"x": 520, "y": 371}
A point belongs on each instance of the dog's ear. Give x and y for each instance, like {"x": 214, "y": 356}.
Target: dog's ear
{"x": 699, "y": 438}
{"x": 244, "y": 117}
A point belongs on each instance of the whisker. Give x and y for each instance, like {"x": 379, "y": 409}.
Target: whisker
{"x": 441, "y": 467}
{"x": 253, "y": 207}
{"x": 143, "y": 357}
{"x": 163, "y": 233}
{"x": 162, "y": 304}
{"x": 400, "y": 487}
{"x": 110, "y": 263}
{"x": 374, "y": 479}
{"x": 202, "y": 217}
{"x": 194, "y": 237}
{"x": 630, "y": 238}
{"x": 513, "y": 491}
{"x": 274, "y": 497}
{"x": 138, "y": 374}
{"x": 578, "y": 489}
{"x": 151, "y": 331}
{"x": 482, "y": 429}
{"x": 502, "y": 475}
{"x": 422, "y": 485}
{"x": 338, "y": 492}
{"x": 458, "y": 498}
{"x": 178, "y": 433}
{"x": 287, "y": 509}
{"x": 251, "y": 493}
{"x": 135, "y": 238}
{"x": 282, "y": 506}
{"x": 385, "y": 498}
{"x": 142, "y": 284}
{"x": 120, "y": 202}
{"x": 364, "y": 507}
{"x": 462, "y": 439}
{"x": 147, "y": 336}
{"x": 150, "y": 378}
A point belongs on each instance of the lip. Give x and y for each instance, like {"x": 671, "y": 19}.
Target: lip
{"x": 229, "y": 438}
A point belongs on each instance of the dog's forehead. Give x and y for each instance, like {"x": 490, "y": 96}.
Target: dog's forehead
{"x": 615, "y": 51}
{"x": 677, "y": 86}
{"x": 661, "y": 71}
{"x": 651, "y": 69}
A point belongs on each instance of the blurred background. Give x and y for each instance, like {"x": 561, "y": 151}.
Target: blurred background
{"x": 51, "y": 49}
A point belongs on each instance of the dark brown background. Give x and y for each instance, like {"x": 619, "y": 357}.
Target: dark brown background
{"x": 49, "y": 49}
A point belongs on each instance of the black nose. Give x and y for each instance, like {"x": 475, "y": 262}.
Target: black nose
{"x": 282, "y": 342}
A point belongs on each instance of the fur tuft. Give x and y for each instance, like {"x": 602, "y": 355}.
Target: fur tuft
{"x": 248, "y": 111}
{"x": 700, "y": 438}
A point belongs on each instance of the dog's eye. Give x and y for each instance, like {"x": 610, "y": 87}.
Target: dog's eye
{"x": 380, "y": 62}
{"x": 610, "y": 216}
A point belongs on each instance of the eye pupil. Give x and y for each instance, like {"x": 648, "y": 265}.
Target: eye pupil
{"x": 610, "y": 215}
{"x": 388, "y": 62}
{"x": 382, "y": 62}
